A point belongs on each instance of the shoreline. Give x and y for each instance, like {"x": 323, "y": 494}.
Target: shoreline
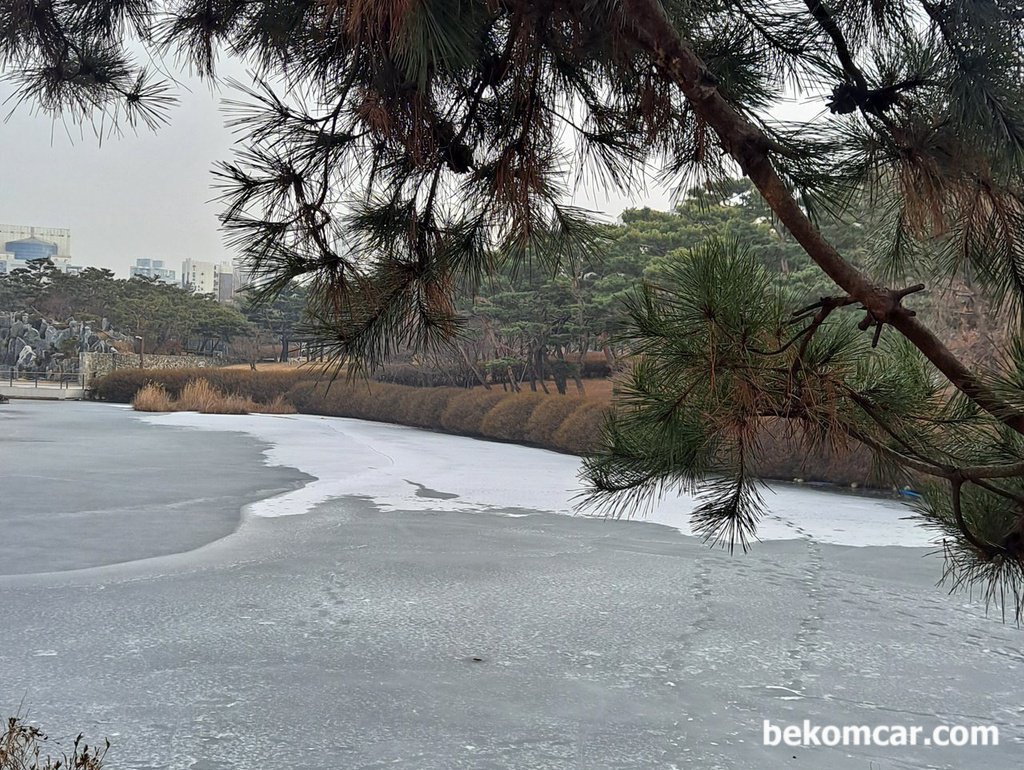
{"x": 570, "y": 424}
{"x": 403, "y": 468}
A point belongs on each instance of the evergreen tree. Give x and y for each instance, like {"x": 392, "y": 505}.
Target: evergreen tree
{"x": 282, "y": 314}
{"x": 167, "y": 317}
{"x": 411, "y": 147}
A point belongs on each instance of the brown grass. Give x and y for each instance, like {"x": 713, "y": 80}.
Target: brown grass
{"x": 279, "y": 405}
{"x": 384, "y": 404}
{"x": 507, "y": 420}
{"x": 152, "y": 398}
{"x": 563, "y": 423}
{"x": 465, "y": 413}
{"x": 262, "y": 387}
{"x": 310, "y": 368}
{"x": 26, "y": 747}
{"x": 199, "y": 395}
{"x": 581, "y": 431}
{"x": 423, "y": 407}
{"x": 785, "y": 453}
{"x": 547, "y": 418}
{"x": 599, "y": 390}
{"x": 524, "y": 417}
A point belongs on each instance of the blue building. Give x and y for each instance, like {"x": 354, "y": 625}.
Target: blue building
{"x": 31, "y": 248}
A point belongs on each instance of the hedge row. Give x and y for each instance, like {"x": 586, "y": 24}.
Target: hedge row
{"x": 573, "y": 426}
{"x": 261, "y": 386}
{"x": 563, "y": 423}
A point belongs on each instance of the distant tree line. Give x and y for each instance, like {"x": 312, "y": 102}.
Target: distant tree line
{"x": 525, "y": 327}
{"x": 166, "y": 317}
{"x": 528, "y": 326}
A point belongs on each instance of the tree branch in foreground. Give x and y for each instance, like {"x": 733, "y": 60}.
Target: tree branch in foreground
{"x": 749, "y": 147}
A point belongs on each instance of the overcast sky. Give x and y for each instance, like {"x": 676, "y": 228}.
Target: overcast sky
{"x": 137, "y": 195}
{"x": 146, "y": 194}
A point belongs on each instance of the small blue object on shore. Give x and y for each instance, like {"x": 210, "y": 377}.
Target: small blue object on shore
{"x": 909, "y": 493}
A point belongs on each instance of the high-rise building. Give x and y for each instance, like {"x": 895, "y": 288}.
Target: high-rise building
{"x": 30, "y": 248}
{"x": 197, "y": 276}
{"x": 58, "y": 236}
{"x": 22, "y": 243}
{"x": 225, "y": 286}
{"x": 153, "y": 268}
{"x": 205, "y": 278}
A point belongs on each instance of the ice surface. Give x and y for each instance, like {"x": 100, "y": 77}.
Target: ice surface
{"x": 397, "y": 625}
{"x": 84, "y": 485}
{"x": 402, "y": 468}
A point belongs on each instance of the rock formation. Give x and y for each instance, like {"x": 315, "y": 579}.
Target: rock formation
{"x": 36, "y": 344}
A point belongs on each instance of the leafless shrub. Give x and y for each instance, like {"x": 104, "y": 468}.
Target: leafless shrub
{"x": 26, "y": 747}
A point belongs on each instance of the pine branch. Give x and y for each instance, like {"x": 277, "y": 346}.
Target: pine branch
{"x": 654, "y": 33}
{"x": 987, "y": 550}
{"x": 825, "y": 20}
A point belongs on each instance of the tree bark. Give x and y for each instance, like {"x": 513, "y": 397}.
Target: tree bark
{"x": 476, "y": 372}
{"x": 654, "y": 33}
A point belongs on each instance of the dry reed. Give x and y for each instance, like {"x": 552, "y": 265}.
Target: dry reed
{"x": 152, "y": 398}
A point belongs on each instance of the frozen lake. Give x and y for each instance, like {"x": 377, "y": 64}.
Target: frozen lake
{"x": 226, "y": 593}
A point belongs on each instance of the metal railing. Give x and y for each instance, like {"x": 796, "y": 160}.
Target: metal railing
{"x": 15, "y": 377}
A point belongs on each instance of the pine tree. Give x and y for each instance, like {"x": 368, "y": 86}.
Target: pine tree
{"x": 396, "y": 152}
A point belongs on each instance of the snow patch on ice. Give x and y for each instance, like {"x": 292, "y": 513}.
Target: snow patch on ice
{"x": 393, "y": 464}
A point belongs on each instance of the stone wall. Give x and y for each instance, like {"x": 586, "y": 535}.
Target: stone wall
{"x": 96, "y": 365}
